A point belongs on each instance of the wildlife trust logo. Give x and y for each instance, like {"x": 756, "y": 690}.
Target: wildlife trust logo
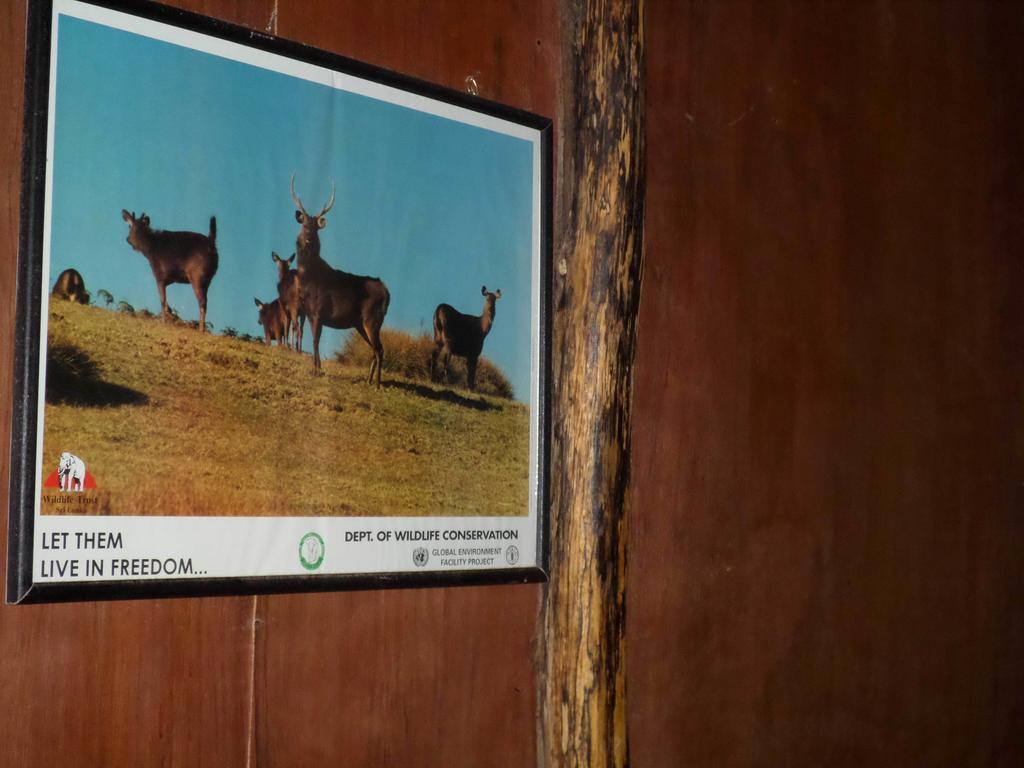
{"x": 70, "y": 489}
{"x": 311, "y": 551}
{"x": 70, "y": 476}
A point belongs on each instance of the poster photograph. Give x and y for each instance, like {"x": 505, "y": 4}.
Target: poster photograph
{"x": 283, "y": 319}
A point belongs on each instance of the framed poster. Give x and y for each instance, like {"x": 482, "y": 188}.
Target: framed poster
{"x": 283, "y": 319}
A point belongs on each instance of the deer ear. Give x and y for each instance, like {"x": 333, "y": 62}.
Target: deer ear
{"x": 144, "y": 219}
{"x": 483, "y": 290}
{"x": 298, "y": 216}
{"x": 275, "y": 257}
{"x": 258, "y": 302}
{"x": 126, "y": 216}
{"x": 321, "y": 222}
{"x": 497, "y": 294}
{"x": 291, "y": 258}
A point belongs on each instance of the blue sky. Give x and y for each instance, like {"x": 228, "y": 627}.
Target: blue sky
{"x": 433, "y": 207}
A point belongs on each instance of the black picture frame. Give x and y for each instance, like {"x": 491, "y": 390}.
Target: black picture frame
{"x": 23, "y": 585}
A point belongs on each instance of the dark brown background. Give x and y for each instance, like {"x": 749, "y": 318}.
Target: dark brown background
{"x": 402, "y": 678}
{"x": 828, "y": 463}
{"x": 827, "y": 524}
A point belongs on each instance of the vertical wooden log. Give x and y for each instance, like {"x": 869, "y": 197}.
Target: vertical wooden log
{"x": 598, "y": 263}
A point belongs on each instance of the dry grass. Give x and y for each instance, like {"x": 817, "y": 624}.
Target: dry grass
{"x": 409, "y": 356}
{"x": 174, "y": 422}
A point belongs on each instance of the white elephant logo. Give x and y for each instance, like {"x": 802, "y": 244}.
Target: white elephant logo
{"x": 71, "y": 470}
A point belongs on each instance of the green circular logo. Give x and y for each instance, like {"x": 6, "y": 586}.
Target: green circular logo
{"x": 311, "y": 551}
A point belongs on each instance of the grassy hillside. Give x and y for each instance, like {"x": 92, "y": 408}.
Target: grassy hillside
{"x": 172, "y": 422}
{"x": 409, "y": 356}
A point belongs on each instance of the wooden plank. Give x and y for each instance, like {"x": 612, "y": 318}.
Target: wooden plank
{"x": 437, "y": 677}
{"x": 508, "y": 51}
{"x": 583, "y": 704}
{"x": 411, "y": 677}
{"x": 115, "y": 684}
{"x": 825, "y": 561}
{"x": 126, "y": 684}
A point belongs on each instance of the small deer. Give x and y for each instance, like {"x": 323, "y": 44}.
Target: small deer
{"x": 274, "y": 321}
{"x": 176, "y": 257}
{"x": 71, "y": 287}
{"x": 333, "y": 298}
{"x": 290, "y": 294}
{"x": 462, "y": 335}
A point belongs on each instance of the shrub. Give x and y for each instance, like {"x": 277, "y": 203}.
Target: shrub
{"x": 68, "y": 368}
{"x": 409, "y": 356}
{"x": 73, "y": 377}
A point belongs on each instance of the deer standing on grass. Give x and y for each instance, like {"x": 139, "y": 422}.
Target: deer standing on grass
{"x": 333, "y": 298}
{"x": 274, "y": 320}
{"x": 462, "y": 335}
{"x": 289, "y": 292}
{"x": 176, "y": 257}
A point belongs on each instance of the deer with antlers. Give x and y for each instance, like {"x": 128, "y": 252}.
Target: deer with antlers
{"x": 333, "y": 298}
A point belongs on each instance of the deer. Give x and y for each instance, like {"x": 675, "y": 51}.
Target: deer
{"x": 335, "y": 299}
{"x": 290, "y": 294}
{"x": 274, "y": 320}
{"x": 462, "y": 335}
{"x": 176, "y": 257}
{"x": 71, "y": 287}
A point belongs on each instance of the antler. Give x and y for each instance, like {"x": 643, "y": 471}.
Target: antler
{"x": 325, "y": 209}
{"x": 296, "y": 197}
{"x": 330, "y": 203}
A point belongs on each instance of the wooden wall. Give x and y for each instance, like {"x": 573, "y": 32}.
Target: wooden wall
{"x": 829, "y": 443}
{"x": 828, "y": 533}
{"x": 424, "y": 678}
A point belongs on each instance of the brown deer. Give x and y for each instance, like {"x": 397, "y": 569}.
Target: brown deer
{"x": 274, "y": 321}
{"x": 333, "y": 298}
{"x": 462, "y": 335}
{"x": 290, "y": 294}
{"x": 71, "y": 287}
{"x": 176, "y": 257}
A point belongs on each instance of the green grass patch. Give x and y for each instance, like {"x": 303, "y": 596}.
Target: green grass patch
{"x": 174, "y": 422}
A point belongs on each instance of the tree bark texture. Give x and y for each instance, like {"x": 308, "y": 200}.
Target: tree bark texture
{"x": 598, "y": 262}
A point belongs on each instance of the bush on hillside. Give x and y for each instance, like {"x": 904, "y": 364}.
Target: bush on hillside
{"x": 68, "y": 369}
{"x": 409, "y": 356}
{"x": 73, "y": 377}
